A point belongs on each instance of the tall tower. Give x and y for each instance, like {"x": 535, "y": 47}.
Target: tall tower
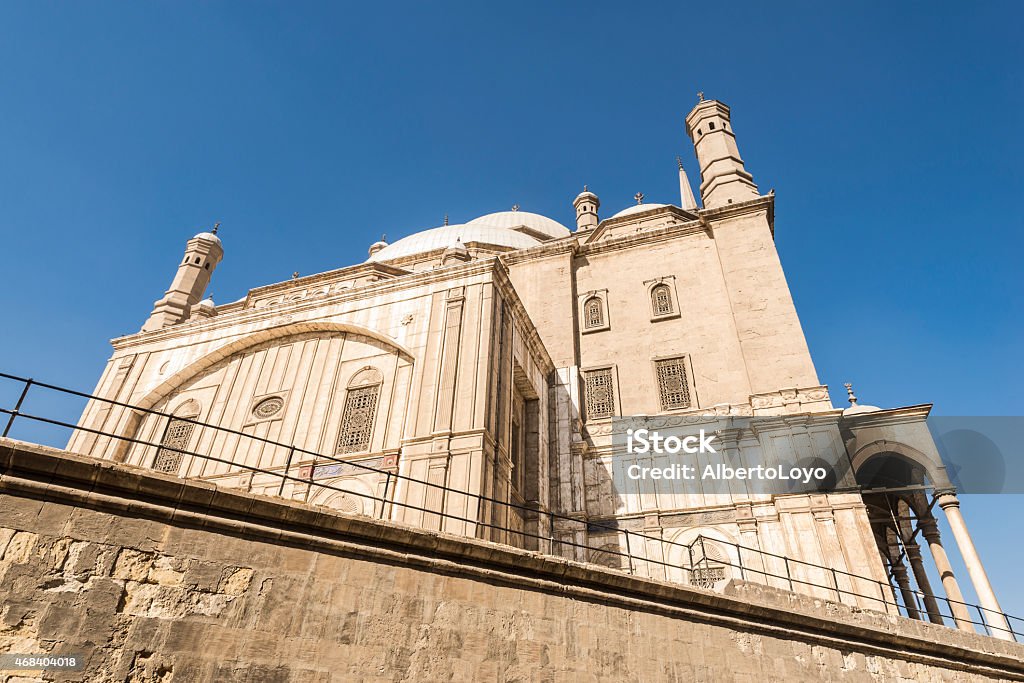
{"x": 586, "y": 204}
{"x": 724, "y": 180}
{"x": 202, "y": 254}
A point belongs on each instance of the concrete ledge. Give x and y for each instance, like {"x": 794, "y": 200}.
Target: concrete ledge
{"x": 52, "y": 475}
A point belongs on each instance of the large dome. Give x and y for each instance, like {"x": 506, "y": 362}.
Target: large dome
{"x": 637, "y": 208}
{"x": 511, "y": 220}
{"x": 443, "y": 237}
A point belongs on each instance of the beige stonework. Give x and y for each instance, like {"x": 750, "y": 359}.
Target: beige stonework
{"x": 471, "y": 345}
{"x": 152, "y": 578}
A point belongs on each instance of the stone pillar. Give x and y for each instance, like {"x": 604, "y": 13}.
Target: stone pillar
{"x": 899, "y": 572}
{"x": 979, "y": 579}
{"x": 921, "y": 576}
{"x": 930, "y": 529}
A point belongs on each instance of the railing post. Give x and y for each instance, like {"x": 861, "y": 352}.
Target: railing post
{"x": 287, "y": 469}
{"x": 789, "y": 577}
{"x": 629, "y": 553}
{"x": 17, "y": 407}
{"x": 949, "y": 606}
{"x": 835, "y": 580}
{"x": 739, "y": 558}
{"x": 689, "y": 549}
{"x": 984, "y": 622}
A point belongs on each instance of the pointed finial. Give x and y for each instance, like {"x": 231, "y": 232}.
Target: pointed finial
{"x": 295, "y": 275}
{"x": 446, "y": 219}
{"x": 639, "y": 197}
{"x": 216, "y": 227}
{"x": 849, "y": 391}
{"x": 585, "y": 189}
{"x": 384, "y": 237}
{"x": 700, "y": 96}
{"x": 515, "y": 207}
{"x": 679, "y": 161}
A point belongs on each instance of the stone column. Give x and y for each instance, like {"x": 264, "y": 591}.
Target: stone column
{"x": 899, "y": 572}
{"x": 921, "y": 576}
{"x": 986, "y": 596}
{"x": 930, "y": 529}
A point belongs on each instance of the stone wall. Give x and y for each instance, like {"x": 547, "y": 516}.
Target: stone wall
{"x": 155, "y": 579}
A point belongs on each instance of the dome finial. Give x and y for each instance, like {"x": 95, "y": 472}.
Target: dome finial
{"x": 295, "y": 275}
{"x": 515, "y": 207}
{"x": 639, "y": 197}
{"x": 700, "y": 95}
{"x": 679, "y": 162}
{"x": 216, "y": 227}
{"x": 446, "y": 219}
{"x": 850, "y": 394}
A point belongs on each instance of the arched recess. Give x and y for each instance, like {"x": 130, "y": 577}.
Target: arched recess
{"x": 711, "y": 563}
{"x": 239, "y": 346}
{"x": 355, "y": 497}
{"x": 168, "y": 386}
{"x": 883, "y": 448}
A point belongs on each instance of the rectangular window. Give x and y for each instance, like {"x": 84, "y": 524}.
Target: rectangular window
{"x": 176, "y": 438}
{"x": 673, "y": 384}
{"x": 357, "y": 419}
{"x": 600, "y": 394}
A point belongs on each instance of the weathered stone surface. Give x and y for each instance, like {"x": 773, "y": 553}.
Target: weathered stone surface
{"x": 193, "y": 603}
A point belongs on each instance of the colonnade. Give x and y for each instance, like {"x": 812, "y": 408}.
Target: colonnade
{"x": 989, "y": 611}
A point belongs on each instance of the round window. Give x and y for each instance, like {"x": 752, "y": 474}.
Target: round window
{"x": 268, "y": 407}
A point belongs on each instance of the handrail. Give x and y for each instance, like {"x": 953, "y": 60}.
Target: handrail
{"x": 631, "y": 559}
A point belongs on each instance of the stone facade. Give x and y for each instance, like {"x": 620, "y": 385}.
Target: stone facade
{"x": 490, "y": 358}
{"x": 152, "y": 578}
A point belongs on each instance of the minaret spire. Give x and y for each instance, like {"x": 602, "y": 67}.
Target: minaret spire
{"x": 202, "y": 254}
{"x": 686, "y": 198}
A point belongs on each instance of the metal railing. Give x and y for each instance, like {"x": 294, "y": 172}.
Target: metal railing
{"x": 751, "y": 564}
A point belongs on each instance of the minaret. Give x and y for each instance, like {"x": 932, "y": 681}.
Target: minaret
{"x": 586, "y": 204}
{"x": 686, "y": 198}
{"x": 724, "y": 180}
{"x": 202, "y": 254}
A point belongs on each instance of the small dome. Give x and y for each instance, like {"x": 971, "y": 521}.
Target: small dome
{"x": 855, "y": 408}
{"x": 207, "y": 236}
{"x": 511, "y": 220}
{"x": 377, "y": 246}
{"x": 637, "y": 208}
{"x": 207, "y": 303}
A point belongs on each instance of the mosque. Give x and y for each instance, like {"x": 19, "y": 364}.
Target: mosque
{"x": 494, "y": 357}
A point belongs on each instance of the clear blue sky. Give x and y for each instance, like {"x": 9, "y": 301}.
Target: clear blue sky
{"x": 890, "y": 131}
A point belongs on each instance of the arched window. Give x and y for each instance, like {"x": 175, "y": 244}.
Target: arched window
{"x": 176, "y": 437}
{"x": 593, "y": 313}
{"x": 360, "y": 410}
{"x": 661, "y": 300}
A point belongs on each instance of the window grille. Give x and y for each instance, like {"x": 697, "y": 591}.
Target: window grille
{"x": 600, "y": 394}
{"x": 593, "y": 313}
{"x": 672, "y": 383}
{"x": 706, "y": 577}
{"x": 661, "y": 300}
{"x": 176, "y": 438}
{"x": 357, "y": 419}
